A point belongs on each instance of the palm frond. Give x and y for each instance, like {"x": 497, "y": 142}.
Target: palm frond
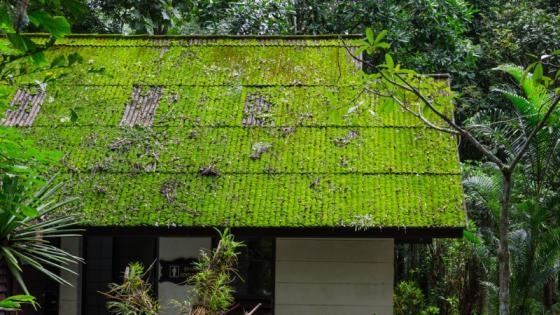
{"x": 26, "y": 237}
{"x": 536, "y": 95}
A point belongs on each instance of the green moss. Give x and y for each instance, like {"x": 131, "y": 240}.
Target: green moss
{"x": 333, "y": 154}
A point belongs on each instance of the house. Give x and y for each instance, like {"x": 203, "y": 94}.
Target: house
{"x": 166, "y": 138}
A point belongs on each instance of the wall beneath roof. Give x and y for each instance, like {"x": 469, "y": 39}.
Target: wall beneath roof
{"x": 70, "y": 297}
{"x": 334, "y": 276}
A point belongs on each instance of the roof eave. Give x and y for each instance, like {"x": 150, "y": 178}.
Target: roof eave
{"x": 399, "y": 233}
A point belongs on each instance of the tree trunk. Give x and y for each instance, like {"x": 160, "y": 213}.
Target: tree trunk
{"x": 503, "y": 250}
{"x": 549, "y": 292}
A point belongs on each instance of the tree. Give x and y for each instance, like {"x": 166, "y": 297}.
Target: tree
{"x": 390, "y": 79}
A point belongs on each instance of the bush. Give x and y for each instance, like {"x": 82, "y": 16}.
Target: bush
{"x": 410, "y": 300}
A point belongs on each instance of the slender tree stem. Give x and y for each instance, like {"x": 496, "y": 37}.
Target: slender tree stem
{"x": 503, "y": 250}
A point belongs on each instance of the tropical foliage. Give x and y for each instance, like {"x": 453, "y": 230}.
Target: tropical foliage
{"x": 465, "y": 38}
{"x": 26, "y": 230}
{"x": 134, "y": 296}
{"x": 214, "y": 274}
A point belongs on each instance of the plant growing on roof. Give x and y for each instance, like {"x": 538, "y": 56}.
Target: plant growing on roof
{"x": 542, "y": 94}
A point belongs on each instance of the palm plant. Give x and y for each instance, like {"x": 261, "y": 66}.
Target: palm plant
{"x": 533, "y": 233}
{"x": 27, "y": 223}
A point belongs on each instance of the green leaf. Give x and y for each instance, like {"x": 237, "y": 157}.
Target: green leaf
{"x": 14, "y": 303}
{"x": 389, "y": 62}
{"x": 5, "y": 20}
{"x": 29, "y": 212}
{"x": 538, "y": 72}
{"x": 471, "y": 237}
{"x": 380, "y": 36}
{"x": 369, "y": 35}
{"x": 39, "y": 58}
{"x": 58, "y": 61}
{"x": 58, "y": 26}
{"x": 383, "y": 45}
{"x": 75, "y": 58}
{"x": 387, "y": 106}
{"x": 73, "y": 116}
{"x": 21, "y": 43}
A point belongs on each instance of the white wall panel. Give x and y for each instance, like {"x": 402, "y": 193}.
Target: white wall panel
{"x": 334, "y": 276}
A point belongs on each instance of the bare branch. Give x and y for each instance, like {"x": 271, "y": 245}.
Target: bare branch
{"x": 463, "y": 132}
{"x": 423, "y": 119}
{"x": 410, "y": 88}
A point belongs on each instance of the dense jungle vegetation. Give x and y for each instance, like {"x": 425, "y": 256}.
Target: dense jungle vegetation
{"x": 468, "y": 40}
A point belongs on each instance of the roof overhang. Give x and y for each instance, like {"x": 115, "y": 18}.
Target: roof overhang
{"x": 398, "y": 233}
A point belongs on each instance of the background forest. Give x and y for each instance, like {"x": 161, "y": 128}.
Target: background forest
{"x": 467, "y": 39}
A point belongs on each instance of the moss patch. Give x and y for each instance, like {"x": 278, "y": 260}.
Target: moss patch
{"x": 255, "y": 132}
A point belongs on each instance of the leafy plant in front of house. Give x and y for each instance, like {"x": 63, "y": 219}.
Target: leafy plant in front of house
{"x": 134, "y": 296}
{"x": 410, "y": 300}
{"x": 27, "y": 222}
{"x": 215, "y": 272}
{"x": 15, "y": 302}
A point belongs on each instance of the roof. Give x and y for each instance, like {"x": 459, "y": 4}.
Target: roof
{"x": 243, "y": 132}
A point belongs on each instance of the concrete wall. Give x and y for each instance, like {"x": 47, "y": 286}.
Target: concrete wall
{"x": 171, "y": 248}
{"x": 70, "y": 297}
{"x": 334, "y": 276}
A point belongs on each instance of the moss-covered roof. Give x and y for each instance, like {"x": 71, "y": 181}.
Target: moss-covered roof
{"x": 241, "y": 132}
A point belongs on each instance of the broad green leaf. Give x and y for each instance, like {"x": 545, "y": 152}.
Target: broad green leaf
{"x": 58, "y": 26}
{"x": 538, "y": 72}
{"x": 21, "y": 43}
{"x": 380, "y": 36}
{"x": 383, "y": 45}
{"x": 359, "y": 51}
{"x": 29, "y": 212}
{"x": 369, "y": 35}
{"x": 389, "y": 62}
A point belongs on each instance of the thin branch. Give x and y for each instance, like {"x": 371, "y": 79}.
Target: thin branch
{"x": 423, "y": 119}
{"x": 465, "y": 133}
{"x": 254, "y": 309}
{"x": 408, "y": 87}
